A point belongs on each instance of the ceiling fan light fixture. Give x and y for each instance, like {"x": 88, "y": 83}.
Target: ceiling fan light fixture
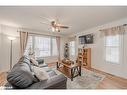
{"x": 55, "y": 25}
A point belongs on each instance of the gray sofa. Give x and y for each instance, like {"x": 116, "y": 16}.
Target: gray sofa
{"x": 22, "y": 77}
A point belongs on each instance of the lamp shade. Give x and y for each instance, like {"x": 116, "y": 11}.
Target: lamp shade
{"x": 11, "y": 38}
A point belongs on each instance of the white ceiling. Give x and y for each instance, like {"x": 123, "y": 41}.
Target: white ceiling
{"x": 78, "y": 18}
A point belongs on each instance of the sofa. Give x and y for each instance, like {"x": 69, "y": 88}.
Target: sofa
{"x": 21, "y": 76}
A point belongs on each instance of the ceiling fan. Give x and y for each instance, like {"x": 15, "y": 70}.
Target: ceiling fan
{"x": 55, "y": 25}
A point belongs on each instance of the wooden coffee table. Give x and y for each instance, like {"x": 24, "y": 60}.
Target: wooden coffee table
{"x": 71, "y": 71}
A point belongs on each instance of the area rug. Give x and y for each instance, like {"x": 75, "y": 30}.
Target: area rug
{"x": 87, "y": 80}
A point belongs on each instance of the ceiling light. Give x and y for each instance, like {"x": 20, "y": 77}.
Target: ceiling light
{"x": 11, "y": 38}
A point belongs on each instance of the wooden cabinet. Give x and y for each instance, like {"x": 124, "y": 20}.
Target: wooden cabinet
{"x": 84, "y": 57}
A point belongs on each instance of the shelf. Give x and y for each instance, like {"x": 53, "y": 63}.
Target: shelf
{"x": 84, "y": 55}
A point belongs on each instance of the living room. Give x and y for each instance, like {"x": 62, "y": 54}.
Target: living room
{"x": 92, "y": 37}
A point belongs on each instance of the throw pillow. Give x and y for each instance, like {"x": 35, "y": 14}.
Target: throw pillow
{"x": 34, "y": 62}
{"x": 40, "y": 73}
{"x": 20, "y": 79}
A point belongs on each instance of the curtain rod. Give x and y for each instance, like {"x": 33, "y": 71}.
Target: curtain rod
{"x": 114, "y": 26}
{"x": 39, "y": 34}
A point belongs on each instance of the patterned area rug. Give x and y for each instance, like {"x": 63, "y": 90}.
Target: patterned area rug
{"x": 88, "y": 80}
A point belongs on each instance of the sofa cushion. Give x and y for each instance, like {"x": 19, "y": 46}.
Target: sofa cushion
{"x": 47, "y": 69}
{"x": 21, "y": 76}
{"x": 40, "y": 73}
{"x": 51, "y": 73}
{"x": 40, "y": 60}
{"x": 43, "y": 65}
{"x": 25, "y": 59}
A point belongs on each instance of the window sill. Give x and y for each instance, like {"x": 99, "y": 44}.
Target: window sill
{"x": 109, "y": 62}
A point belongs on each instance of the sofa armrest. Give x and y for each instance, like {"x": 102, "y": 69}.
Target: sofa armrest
{"x": 56, "y": 82}
{"x": 40, "y": 61}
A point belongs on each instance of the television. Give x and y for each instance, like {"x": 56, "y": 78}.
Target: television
{"x": 86, "y": 39}
{"x": 82, "y": 40}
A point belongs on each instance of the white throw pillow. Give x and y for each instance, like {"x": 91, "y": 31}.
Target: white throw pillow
{"x": 34, "y": 62}
{"x": 40, "y": 73}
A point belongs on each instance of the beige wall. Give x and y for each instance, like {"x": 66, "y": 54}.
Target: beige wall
{"x": 97, "y": 50}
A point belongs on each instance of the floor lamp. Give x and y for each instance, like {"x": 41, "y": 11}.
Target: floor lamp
{"x": 11, "y": 39}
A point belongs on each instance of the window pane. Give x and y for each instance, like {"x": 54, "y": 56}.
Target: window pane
{"x": 112, "y": 44}
{"x": 112, "y": 54}
{"x": 42, "y": 46}
{"x": 112, "y": 40}
{"x": 54, "y": 47}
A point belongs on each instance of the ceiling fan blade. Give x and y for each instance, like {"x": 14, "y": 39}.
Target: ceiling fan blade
{"x": 63, "y": 26}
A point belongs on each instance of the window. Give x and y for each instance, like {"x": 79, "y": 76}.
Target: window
{"x": 43, "y": 46}
{"x": 112, "y": 46}
{"x": 72, "y": 48}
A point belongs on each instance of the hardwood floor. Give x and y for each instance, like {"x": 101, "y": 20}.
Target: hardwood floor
{"x": 110, "y": 81}
{"x": 3, "y": 80}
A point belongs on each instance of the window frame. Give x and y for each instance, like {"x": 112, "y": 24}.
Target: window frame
{"x": 51, "y": 43}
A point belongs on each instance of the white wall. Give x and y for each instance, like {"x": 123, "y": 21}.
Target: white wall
{"x": 97, "y": 50}
{"x": 7, "y": 31}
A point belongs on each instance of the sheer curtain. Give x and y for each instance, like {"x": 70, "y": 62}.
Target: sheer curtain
{"x": 58, "y": 46}
{"x": 23, "y": 42}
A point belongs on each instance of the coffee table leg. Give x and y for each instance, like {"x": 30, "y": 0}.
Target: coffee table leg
{"x": 57, "y": 65}
{"x": 80, "y": 70}
{"x": 72, "y": 74}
